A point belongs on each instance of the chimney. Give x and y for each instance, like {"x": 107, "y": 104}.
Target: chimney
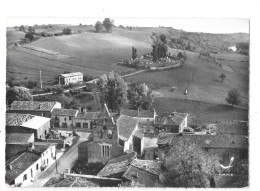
{"x": 30, "y": 147}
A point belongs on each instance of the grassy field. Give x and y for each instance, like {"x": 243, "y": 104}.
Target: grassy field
{"x": 200, "y": 112}
{"x": 201, "y": 78}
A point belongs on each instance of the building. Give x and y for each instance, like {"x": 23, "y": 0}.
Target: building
{"x": 23, "y": 167}
{"x": 117, "y": 166}
{"x": 150, "y": 148}
{"x": 70, "y": 78}
{"x": 86, "y": 120}
{"x": 105, "y": 140}
{"x": 63, "y": 118}
{"x": 19, "y": 137}
{"x": 38, "y": 108}
{"x": 232, "y": 127}
{"x": 224, "y": 146}
{"x": 143, "y": 173}
{"x": 26, "y": 123}
{"x": 144, "y": 116}
{"x": 173, "y": 123}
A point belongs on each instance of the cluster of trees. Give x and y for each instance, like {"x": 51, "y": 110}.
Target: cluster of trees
{"x": 67, "y": 31}
{"x": 17, "y": 93}
{"x": 159, "y": 46}
{"x": 115, "y": 92}
{"x": 243, "y": 48}
{"x": 108, "y": 24}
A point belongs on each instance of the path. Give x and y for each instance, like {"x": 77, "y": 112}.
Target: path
{"x": 66, "y": 161}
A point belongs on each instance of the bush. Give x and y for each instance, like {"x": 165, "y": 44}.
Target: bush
{"x": 67, "y": 31}
{"x": 31, "y": 84}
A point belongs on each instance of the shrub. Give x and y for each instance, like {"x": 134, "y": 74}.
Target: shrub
{"x": 31, "y": 84}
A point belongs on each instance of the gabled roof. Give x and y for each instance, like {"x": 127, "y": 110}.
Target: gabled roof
{"x": 172, "y": 119}
{"x": 71, "y": 74}
{"x": 65, "y": 112}
{"x": 17, "y": 119}
{"x": 87, "y": 115}
{"x": 117, "y": 165}
{"x": 19, "y": 165}
{"x": 39, "y": 147}
{"x": 36, "y": 122}
{"x": 207, "y": 141}
{"x": 126, "y": 126}
{"x": 32, "y": 105}
{"x": 136, "y": 113}
{"x": 17, "y": 137}
{"x": 233, "y": 127}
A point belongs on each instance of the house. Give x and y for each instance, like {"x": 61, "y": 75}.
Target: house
{"x": 143, "y": 172}
{"x": 38, "y": 108}
{"x": 86, "y": 120}
{"x": 70, "y": 78}
{"x": 63, "y": 118}
{"x": 23, "y": 167}
{"x": 144, "y": 116}
{"x": 173, "y": 123}
{"x": 117, "y": 166}
{"x": 27, "y": 123}
{"x": 224, "y": 146}
{"x": 105, "y": 140}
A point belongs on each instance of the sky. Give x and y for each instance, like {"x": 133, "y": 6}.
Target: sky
{"x": 208, "y": 25}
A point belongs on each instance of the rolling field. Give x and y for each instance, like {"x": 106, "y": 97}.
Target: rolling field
{"x": 201, "y": 78}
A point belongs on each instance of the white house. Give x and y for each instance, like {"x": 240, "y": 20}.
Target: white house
{"x": 70, "y": 78}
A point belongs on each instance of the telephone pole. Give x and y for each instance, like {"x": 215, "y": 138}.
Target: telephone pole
{"x": 41, "y": 78}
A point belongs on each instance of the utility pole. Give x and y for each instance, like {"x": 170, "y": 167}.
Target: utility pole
{"x": 41, "y": 78}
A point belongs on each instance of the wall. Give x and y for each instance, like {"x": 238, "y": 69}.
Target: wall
{"x": 73, "y": 79}
{"x": 13, "y": 149}
{"x": 82, "y": 121}
{"x": 49, "y": 155}
{"x": 20, "y": 129}
{"x": 41, "y": 130}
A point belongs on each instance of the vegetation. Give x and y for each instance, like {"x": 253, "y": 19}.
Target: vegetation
{"x": 29, "y": 36}
{"x": 67, "y": 31}
{"x": 187, "y": 165}
{"x": 98, "y": 26}
{"x": 108, "y": 24}
{"x": 233, "y": 97}
{"x": 17, "y": 94}
{"x": 222, "y": 76}
{"x": 134, "y": 53}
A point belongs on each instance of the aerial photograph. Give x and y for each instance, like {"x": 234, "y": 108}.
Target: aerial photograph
{"x": 124, "y": 102}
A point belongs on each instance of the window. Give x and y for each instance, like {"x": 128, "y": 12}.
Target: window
{"x": 121, "y": 142}
{"x": 78, "y": 124}
{"x": 56, "y": 118}
{"x": 85, "y": 125}
{"x": 70, "y": 117}
{"x": 24, "y": 177}
{"x": 105, "y": 151}
{"x": 56, "y": 124}
{"x": 65, "y": 119}
{"x": 37, "y": 166}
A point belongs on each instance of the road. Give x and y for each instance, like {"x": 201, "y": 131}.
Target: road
{"x": 64, "y": 162}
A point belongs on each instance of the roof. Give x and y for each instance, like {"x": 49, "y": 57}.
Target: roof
{"x": 71, "y": 74}
{"x": 17, "y": 119}
{"x": 39, "y": 147}
{"x": 208, "y": 141}
{"x": 126, "y": 126}
{"x": 137, "y": 174}
{"x": 172, "y": 119}
{"x": 67, "y": 112}
{"x": 150, "y": 165}
{"x": 36, "y": 122}
{"x": 138, "y": 133}
{"x": 32, "y": 105}
{"x": 19, "y": 165}
{"x": 233, "y": 127}
{"x": 87, "y": 115}
{"x": 17, "y": 137}
{"x": 134, "y": 113}
{"x": 117, "y": 165}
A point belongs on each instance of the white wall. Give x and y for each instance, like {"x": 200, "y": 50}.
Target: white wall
{"x": 73, "y": 79}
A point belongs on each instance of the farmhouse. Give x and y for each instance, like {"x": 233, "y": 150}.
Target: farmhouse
{"x": 26, "y": 123}
{"x": 63, "y": 118}
{"x": 70, "y": 78}
{"x": 26, "y": 165}
{"x": 225, "y": 146}
{"x": 39, "y": 108}
{"x": 173, "y": 123}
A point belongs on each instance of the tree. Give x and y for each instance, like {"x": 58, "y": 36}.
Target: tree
{"x": 163, "y": 38}
{"x": 139, "y": 96}
{"x": 233, "y": 97}
{"x": 154, "y": 53}
{"x": 29, "y": 36}
{"x": 31, "y": 30}
{"x": 18, "y": 94}
{"x": 67, "y": 31}
{"x": 113, "y": 90}
{"x": 187, "y": 165}
{"x": 108, "y": 24}
{"x": 98, "y": 26}
{"x": 222, "y": 76}
{"x": 134, "y": 53}
{"x": 22, "y": 28}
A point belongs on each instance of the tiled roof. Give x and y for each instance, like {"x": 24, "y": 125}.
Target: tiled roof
{"x": 66, "y": 112}
{"x": 126, "y": 126}
{"x": 70, "y": 181}
{"x": 141, "y": 176}
{"x": 17, "y": 137}
{"x": 208, "y": 141}
{"x": 32, "y": 105}
{"x": 19, "y": 165}
{"x": 134, "y": 113}
{"x": 87, "y": 115}
{"x": 39, "y": 147}
{"x": 17, "y": 119}
{"x": 117, "y": 165}
{"x": 138, "y": 133}
{"x": 147, "y": 165}
{"x": 232, "y": 127}
{"x": 71, "y": 74}
{"x": 172, "y": 119}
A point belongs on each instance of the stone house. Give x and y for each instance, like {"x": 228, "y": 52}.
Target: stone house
{"x": 86, "y": 120}
{"x": 38, "y": 108}
{"x": 173, "y": 123}
{"x": 70, "y": 78}
{"x": 63, "y": 118}
{"x": 24, "y": 167}
{"x": 26, "y": 123}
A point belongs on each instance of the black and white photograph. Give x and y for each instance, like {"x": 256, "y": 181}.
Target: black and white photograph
{"x": 111, "y": 101}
